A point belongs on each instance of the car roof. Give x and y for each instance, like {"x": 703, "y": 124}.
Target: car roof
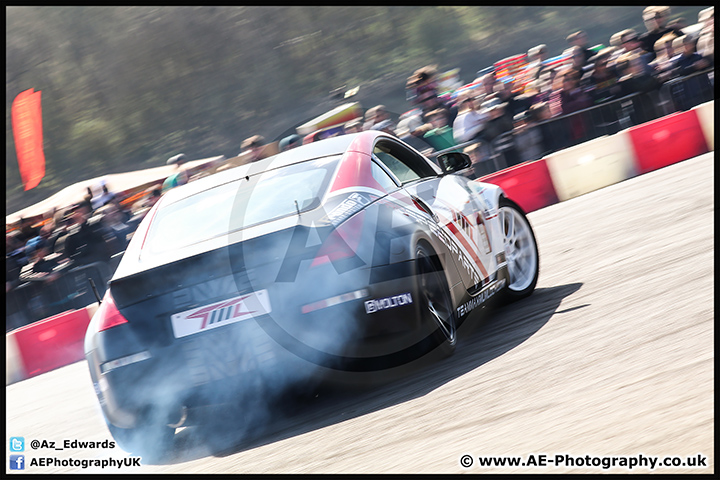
{"x": 323, "y": 148}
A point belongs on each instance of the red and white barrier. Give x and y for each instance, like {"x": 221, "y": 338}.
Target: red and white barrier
{"x": 592, "y": 165}
{"x": 46, "y": 345}
{"x": 667, "y": 140}
{"x": 706, "y": 115}
{"x": 528, "y": 184}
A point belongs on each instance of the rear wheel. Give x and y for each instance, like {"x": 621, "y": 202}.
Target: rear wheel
{"x": 520, "y": 251}
{"x": 435, "y": 303}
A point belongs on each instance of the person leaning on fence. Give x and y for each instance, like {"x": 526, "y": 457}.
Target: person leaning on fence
{"x": 662, "y": 66}
{"x": 689, "y": 61}
{"x": 694, "y": 89}
{"x": 527, "y": 138}
{"x": 601, "y": 81}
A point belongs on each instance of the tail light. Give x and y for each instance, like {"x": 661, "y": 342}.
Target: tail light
{"x": 109, "y": 314}
{"x": 336, "y": 247}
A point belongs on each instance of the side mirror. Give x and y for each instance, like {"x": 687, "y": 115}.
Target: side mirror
{"x": 452, "y": 162}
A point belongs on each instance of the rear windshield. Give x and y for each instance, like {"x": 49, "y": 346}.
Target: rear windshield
{"x": 240, "y": 204}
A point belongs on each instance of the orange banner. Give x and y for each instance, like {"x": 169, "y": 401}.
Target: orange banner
{"x": 26, "y": 114}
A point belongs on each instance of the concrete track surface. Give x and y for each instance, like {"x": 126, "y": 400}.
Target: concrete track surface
{"x": 611, "y": 356}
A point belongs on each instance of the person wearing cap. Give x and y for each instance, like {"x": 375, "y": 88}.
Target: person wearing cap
{"x": 289, "y": 142}
{"x": 252, "y": 147}
{"x": 180, "y": 176}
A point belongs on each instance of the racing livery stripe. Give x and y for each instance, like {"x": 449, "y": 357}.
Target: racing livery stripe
{"x": 455, "y": 231}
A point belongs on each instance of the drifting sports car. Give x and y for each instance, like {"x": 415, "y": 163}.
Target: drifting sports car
{"x": 355, "y": 253}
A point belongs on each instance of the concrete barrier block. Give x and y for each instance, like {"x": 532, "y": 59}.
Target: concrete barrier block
{"x": 592, "y": 165}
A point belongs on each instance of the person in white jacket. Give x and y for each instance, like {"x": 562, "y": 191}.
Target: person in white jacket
{"x": 470, "y": 120}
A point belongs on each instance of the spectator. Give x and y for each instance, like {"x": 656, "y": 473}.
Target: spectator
{"x": 289, "y": 142}
{"x": 655, "y": 19}
{"x": 38, "y": 252}
{"x": 410, "y": 130}
{"x": 631, "y": 44}
{"x": 353, "y": 126}
{"x": 180, "y": 177}
{"x": 689, "y": 61}
{"x": 601, "y": 81}
{"x": 528, "y": 139}
{"x": 380, "y": 120}
{"x": 440, "y": 137}
{"x": 507, "y": 94}
{"x": 633, "y": 77}
{"x": 497, "y": 122}
{"x": 479, "y": 156}
{"x": 579, "y": 60}
{"x": 105, "y": 197}
{"x": 536, "y": 56}
{"x": 369, "y": 118}
{"x": 424, "y": 87}
{"x": 85, "y": 242}
{"x": 15, "y": 259}
{"x": 570, "y": 98}
{"x": 697, "y": 88}
{"x": 470, "y": 121}
{"x": 706, "y": 41}
{"x": 487, "y": 86}
{"x": 117, "y": 231}
{"x": 27, "y": 230}
{"x": 580, "y": 39}
{"x": 662, "y": 66}
{"x": 252, "y": 147}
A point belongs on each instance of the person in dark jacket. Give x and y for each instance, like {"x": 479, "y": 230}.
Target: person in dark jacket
{"x": 85, "y": 242}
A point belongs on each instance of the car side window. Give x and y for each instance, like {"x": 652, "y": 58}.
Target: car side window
{"x": 383, "y": 178}
{"x": 405, "y": 164}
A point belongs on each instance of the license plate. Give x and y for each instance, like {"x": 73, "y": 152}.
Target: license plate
{"x": 219, "y": 314}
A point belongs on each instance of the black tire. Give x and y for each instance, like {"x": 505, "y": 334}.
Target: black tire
{"x": 151, "y": 442}
{"x": 436, "y": 308}
{"x": 521, "y": 252}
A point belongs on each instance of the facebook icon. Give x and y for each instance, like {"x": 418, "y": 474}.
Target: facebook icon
{"x": 17, "y": 462}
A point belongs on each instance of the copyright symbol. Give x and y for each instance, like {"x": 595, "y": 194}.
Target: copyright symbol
{"x": 466, "y": 461}
{"x": 35, "y": 444}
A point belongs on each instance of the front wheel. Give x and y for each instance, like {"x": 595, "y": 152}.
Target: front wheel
{"x": 435, "y": 303}
{"x": 520, "y": 251}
